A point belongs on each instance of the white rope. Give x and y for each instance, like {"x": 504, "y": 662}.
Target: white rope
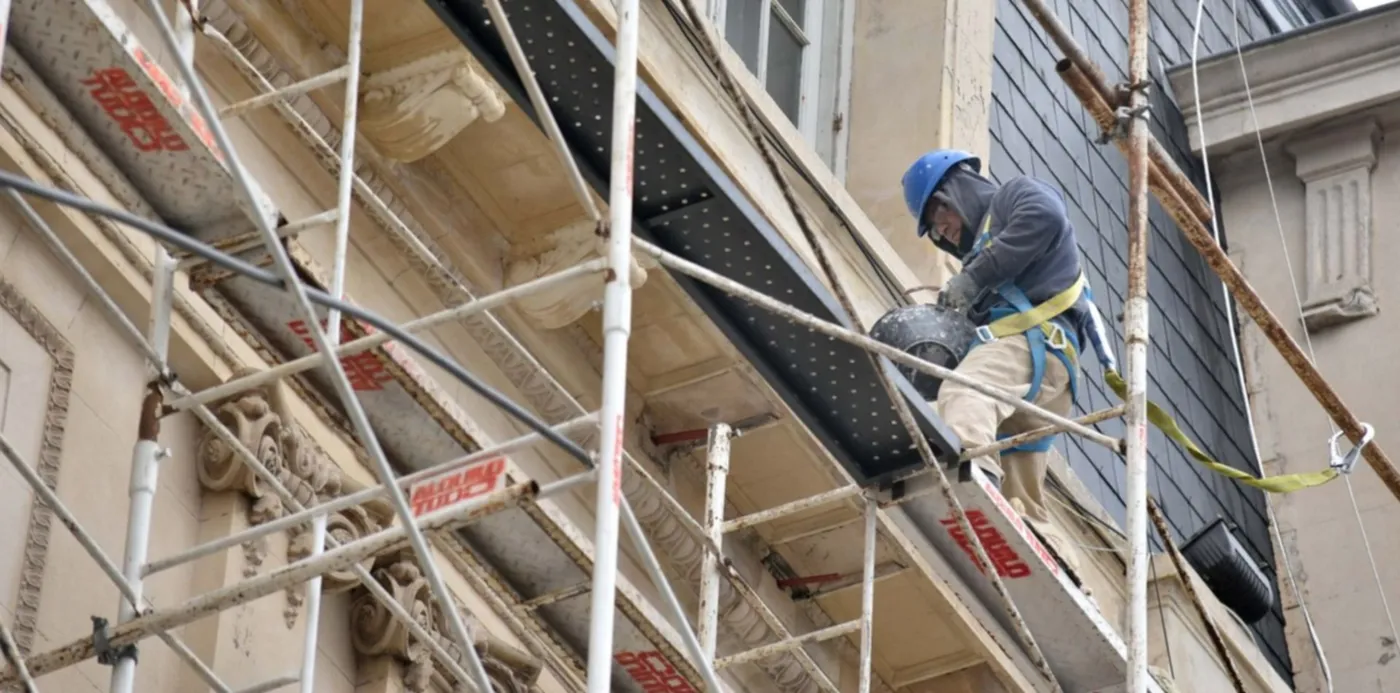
{"x": 1298, "y": 302}
{"x": 1215, "y": 231}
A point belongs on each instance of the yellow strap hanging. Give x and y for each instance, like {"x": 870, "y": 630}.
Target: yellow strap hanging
{"x": 1286, "y": 483}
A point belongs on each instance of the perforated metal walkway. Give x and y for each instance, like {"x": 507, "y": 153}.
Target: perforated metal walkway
{"x": 686, "y": 204}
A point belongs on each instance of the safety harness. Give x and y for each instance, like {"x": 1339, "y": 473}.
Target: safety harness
{"x": 1043, "y": 333}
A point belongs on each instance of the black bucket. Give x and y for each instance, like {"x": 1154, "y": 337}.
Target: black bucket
{"x": 929, "y": 332}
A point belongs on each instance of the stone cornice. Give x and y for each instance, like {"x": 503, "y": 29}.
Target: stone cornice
{"x": 1295, "y": 81}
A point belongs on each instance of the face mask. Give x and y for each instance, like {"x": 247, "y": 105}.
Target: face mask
{"x": 965, "y": 242}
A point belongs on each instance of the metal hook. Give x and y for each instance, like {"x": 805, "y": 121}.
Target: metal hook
{"x": 1345, "y": 463}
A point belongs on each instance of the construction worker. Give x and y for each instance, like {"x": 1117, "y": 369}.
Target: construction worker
{"x": 1021, "y": 284}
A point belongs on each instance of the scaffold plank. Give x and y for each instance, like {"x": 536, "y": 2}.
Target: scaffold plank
{"x": 1083, "y": 648}
{"x": 132, "y": 108}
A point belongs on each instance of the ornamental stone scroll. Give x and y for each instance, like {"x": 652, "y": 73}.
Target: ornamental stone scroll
{"x": 260, "y": 420}
{"x": 376, "y": 633}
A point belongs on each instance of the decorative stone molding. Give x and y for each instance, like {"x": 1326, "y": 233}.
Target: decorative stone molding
{"x": 1335, "y": 164}
{"x": 562, "y": 304}
{"x": 375, "y": 632}
{"x": 259, "y": 419}
{"x": 409, "y": 111}
{"x": 36, "y": 536}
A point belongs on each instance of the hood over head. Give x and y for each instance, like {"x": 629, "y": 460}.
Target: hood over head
{"x": 970, "y": 195}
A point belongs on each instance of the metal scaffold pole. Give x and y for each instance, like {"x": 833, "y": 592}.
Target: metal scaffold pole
{"x": 1190, "y": 210}
{"x": 1136, "y": 332}
{"x": 313, "y": 608}
{"x": 342, "y": 249}
{"x": 145, "y": 468}
{"x": 286, "y": 272}
{"x": 246, "y": 456}
{"x": 147, "y": 455}
{"x": 617, "y": 325}
{"x": 867, "y": 595}
{"x": 717, "y": 473}
{"x": 16, "y": 660}
{"x": 346, "y": 178}
{"x": 340, "y": 558}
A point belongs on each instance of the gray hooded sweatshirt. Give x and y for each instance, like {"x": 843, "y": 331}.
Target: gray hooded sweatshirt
{"x": 1033, "y": 243}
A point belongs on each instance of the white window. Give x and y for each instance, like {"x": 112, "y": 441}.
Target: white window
{"x": 794, "y": 48}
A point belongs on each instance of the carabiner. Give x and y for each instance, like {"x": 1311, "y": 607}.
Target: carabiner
{"x": 1345, "y": 463}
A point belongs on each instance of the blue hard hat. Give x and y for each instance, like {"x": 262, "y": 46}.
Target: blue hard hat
{"x": 926, "y": 173}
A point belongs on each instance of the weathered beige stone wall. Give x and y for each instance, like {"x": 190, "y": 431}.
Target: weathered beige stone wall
{"x": 1319, "y": 527}
{"x": 48, "y": 585}
{"x": 922, "y": 80}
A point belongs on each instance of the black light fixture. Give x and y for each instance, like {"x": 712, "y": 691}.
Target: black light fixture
{"x": 1227, "y": 568}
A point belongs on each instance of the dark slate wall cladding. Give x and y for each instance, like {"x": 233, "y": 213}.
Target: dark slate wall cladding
{"x": 1040, "y": 129}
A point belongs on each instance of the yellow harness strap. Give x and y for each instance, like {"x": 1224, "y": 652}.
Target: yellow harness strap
{"x": 1040, "y": 316}
{"x": 1286, "y": 483}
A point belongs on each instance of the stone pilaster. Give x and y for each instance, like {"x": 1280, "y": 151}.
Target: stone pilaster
{"x": 1335, "y": 165}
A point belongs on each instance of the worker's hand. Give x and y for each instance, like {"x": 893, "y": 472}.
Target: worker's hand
{"x": 958, "y": 293}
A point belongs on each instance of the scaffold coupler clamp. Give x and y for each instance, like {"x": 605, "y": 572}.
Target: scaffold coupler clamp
{"x": 1345, "y": 463}
{"x": 1123, "y": 113}
{"x": 102, "y": 645}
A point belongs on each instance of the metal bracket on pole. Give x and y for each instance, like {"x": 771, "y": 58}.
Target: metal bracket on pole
{"x": 106, "y": 654}
{"x": 1123, "y": 113}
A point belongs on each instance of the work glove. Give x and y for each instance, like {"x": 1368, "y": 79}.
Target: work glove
{"x": 958, "y": 294}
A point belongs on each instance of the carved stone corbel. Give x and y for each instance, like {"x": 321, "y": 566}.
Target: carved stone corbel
{"x": 260, "y": 420}
{"x": 344, "y": 526}
{"x": 375, "y": 632}
{"x": 562, "y": 304}
{"x": 409, "y": 111}
{"x": 1335, "y": 166}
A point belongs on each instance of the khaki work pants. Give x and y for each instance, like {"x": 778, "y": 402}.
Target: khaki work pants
{"x": 977, "y": 419}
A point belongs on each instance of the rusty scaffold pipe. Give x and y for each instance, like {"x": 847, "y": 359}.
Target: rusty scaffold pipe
{"x": 1134, "y": 120}
{"x": 1164, "y": 171}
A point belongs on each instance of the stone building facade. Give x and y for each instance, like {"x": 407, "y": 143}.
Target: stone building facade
{"x": 459, "y": 194}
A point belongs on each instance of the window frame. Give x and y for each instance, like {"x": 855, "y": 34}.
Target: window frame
{"x": 821, "y": 93}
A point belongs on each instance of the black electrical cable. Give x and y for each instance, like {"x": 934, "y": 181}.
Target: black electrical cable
{"x": 179, "y": 240}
